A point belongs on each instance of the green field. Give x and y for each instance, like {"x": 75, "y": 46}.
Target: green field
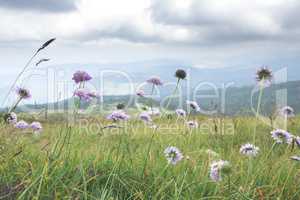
{"x": 85, "y": 161}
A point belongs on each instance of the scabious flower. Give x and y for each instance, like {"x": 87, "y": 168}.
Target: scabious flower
{"x": 81, "y": 76}
{"x": 180, "y": 74}
{"x": 194, "y": 105}
{"x": 21, "y": 125}
{"x": 217, "y": 168}
{"x": 85, "y": 94}
{"x": 23, "y": 93}
{"x": 180, "y": 112}
{"x": 192, "y": 124}
{"x": 11, "y": 118}
{"x": 144, "y": 116}
{"x": 249, "y": 150}
{"x": 118, "y": 115}
{"x": 173, "y": 155}
{"x": 155, "y": 81}
{"x": 36, "y": 127}
{"x": 281, "y": 136}
{"x": 264, "y": 75}
{"x": 287, "y": 111}
{"x": 140, "y": 93}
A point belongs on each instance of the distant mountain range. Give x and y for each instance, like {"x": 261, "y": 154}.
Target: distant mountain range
{"x": 114, "y": 78}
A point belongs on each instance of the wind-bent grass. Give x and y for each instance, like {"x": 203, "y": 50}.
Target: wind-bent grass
{"x": 83, "y": 163}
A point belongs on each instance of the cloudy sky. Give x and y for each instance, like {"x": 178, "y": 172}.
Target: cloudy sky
{"x": 206, "y": 33}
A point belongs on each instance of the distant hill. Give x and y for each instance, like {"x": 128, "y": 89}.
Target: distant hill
{"x": 237, "y": 100}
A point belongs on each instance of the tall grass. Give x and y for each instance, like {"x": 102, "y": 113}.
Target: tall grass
{"x": 80, "y": 163}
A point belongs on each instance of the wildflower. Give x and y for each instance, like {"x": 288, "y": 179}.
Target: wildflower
{"x": 249, "y": 150}
{"x": 23, "y": 93}
{"x": 36, "y": 127}
{"x": 264, "y": 75}
{"x": 81, "y": 76}
{"x": 155, "y": 81}
{"x": 287, "y": 111}
{"x": 173, "y": 155}
{"x": 192, "y": 124}
{"x": 140, "y": 93}
{"x": 217, "y": 168}
{"x": 21, "y": 125}
{"x": 118, "y": 115}
{"x": 11, "y": 118}
{"x": 180, "y": 74}
{"x": 180, "y": 112}
{"x": 144, "y": 116}
{"x": 194, "y": 105}
{"x": 296, "y": 158}
{"x": 85, "y": 94}
{"x": 281, "y": 136}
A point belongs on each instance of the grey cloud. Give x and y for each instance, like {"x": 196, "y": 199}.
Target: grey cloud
{"x": 40, "y": 5}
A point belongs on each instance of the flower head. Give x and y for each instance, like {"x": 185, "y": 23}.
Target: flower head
{"x": 264, "y": 75}
{"x": 249, "y": 150}
{"x": 281, "y": 136}
{"x": 173, "y": 155}
{"x": 81, "y": 76}
{"x": 118, "y": 115}
{"x": 144, "y": 116}
{"x": 21, "y": 125}
{"x": 23, "y": 93}
{"x": 217, "y": 168}
{"x": 155, "y": 81}
{"x": 180, "y": 112}
{"x": 85, "y": 94}
{"x": 287, "y": 111}
{"x": 11, "y": 118}
{"x": 36, "y": 126}
{"x": 192, "y": 124}
{"x": 140, "y": 93}
{"x": 180, "y": 74}
{"x": 194, "y": 105}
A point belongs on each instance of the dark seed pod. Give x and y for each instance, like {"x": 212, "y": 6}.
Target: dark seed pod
{"x": 180, "y": 73}
{"x": 120, "y": 106}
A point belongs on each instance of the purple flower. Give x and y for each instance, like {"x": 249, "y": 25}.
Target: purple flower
{"x": 281, "y": 136}
{"x": 21, "y": 125}
{"x": 118, "y": 115}
{"x": 287, "y": 111}
{"x": 85, "y": 94}
{"x": 173, "y": 155}
{"x": 192, "y": 124}
{"x": 144, "y": 116}
{"x": 36, "y": 126}
{"x": 217, "y": 168}
{"x": 249, "y": 150}
{"x": 140, "y": 93}
{"x": 81, "y": 76}
{"x": 194, "y": 105}
{"x": 297, "y": 140}
{"x": 155, "y": 81}
{"x": 180, "y": 112}
{"x": 11, "y": 118}
{"x": 23, "y": 93}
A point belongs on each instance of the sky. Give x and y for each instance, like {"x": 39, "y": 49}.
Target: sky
{"x": 205, "y": 33}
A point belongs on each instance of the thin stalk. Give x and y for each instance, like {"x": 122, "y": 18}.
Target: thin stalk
{"x": 174, "y": 92}
{"x": 15, "y": 106}
{"x": 258, "y": 110}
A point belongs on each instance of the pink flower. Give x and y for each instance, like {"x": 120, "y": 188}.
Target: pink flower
{"x": 81, "y": 76}
{"x": 155, "y": 81}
